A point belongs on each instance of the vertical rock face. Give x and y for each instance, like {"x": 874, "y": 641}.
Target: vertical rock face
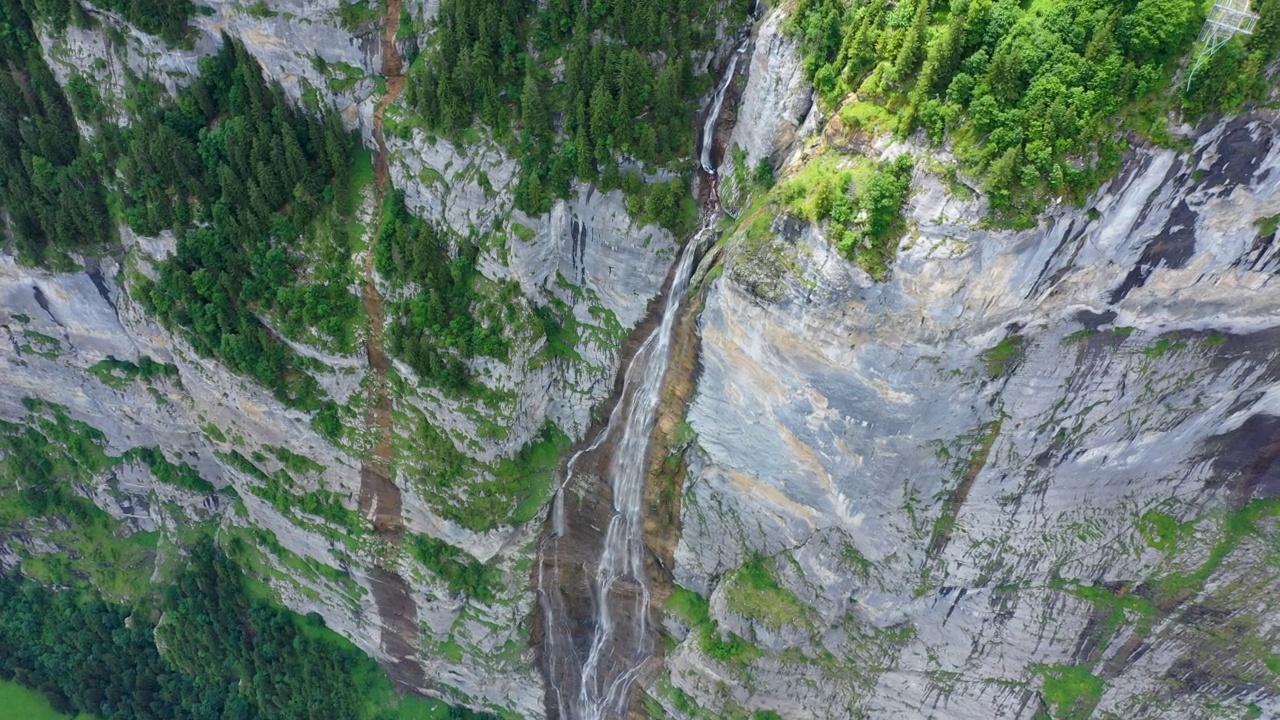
{"x": 1032, "y": 472}
{"x": 1011, "y": 471}
{"x": 776, "y": 100}
{"x": 585, "y": 258}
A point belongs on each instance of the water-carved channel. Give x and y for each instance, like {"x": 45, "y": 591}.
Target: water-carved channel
{"x": 594, "y": 570}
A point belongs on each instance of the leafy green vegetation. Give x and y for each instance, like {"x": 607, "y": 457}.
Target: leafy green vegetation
{"x": 165, "y": 18}
{"x": 1035, "y": 97}
{"x": 28, "y": 704}
{"x": 119, "y": 373}
{"x": 461, "y": 572}
{"x": 517, "y": 488}
{"x": 1236, "y": 74}
{"x": 227, "y": 654}
{"x": 866, "y": 217}
{"x": 1000, "y": 360}
{"x": 1071, "y": 690}
{"x": 1267, "y": 225}
{"x": 239, "y": 175}
{"x": 434, "y": 329}
{"x": 40, "y": 344}
{"x": 356, "y": 13}
{"x": 284, "y": 494}
{"x": 755, "y": 592}
{"x": 50, "y": 184}
{"x": 1163, "y": 347}
{"x": 665, "y": 204}
{"x": 1116, "y": 608}
{"x": 40, "y": 463}
{"x": 628, "y": 86}
{"x": 1235, "y": 526}
{"x": 295, "y": 463}
{"x": 179, "y": 474}
{"x": 1163, "y": 532}
{"x": 695, "y": 611}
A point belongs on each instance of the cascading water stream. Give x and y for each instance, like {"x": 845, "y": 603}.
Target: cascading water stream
{"x": 591, "y": 678}
{"x": 713, "y": 117}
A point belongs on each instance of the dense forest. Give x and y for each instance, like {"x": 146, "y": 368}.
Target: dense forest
{"x": 166, "y": 18}
{"x": 51, "y": 178}
{"x": 50, "y": 185}
{"x": 226, "y": 655}
{"x": 240, "y": 175}
{"x": 627, "y": 93}
{"x": 1034, "y": 97}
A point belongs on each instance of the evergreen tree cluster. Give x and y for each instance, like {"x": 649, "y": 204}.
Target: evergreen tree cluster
{"x": 1237, "y": 73}
{"x": 50, "y": 185}
{"x": 435, "y": 328}
{"x": 226, "y": 656}
{"x": 239, "y": 175}
{"x": 166, "y": 18}
{"x": 627, "y": 89}
{"x": 1029, "y": 94}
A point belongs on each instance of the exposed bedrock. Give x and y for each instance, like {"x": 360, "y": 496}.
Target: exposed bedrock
{"x": 932, "y": 466}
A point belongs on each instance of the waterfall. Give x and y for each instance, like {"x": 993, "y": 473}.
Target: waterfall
{"x": 713, "y": 117}
{"x": 591, "y": 667}
{"x": 603, "y": 682}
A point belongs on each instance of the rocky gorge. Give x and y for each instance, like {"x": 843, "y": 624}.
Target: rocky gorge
{"x": 1031, "y": 474}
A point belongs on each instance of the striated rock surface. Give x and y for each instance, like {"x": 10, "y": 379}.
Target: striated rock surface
{"x": 1018, "y": 466}
{"x": 585, "y": 260}
{"x": 776, "y": 100}
{"x": 1033, "y": 473}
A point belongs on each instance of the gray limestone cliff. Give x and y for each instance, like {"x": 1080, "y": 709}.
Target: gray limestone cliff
{"x": 1033, "y": 473}
{"x": 63, "y": 331}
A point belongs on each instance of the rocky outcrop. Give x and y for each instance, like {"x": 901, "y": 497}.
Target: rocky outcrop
{"x": 777, "y": 99}
{"x": 56, "y": 327}
{"x": 963, "y": 481}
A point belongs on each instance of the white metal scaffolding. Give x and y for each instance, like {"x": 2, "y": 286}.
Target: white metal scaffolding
{"x": 1227, "y": 19}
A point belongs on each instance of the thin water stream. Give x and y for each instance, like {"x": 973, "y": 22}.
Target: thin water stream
{"x": 591, "y": 666}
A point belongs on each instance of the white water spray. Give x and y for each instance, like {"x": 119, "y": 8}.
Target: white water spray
{"x": 592, "y": 680}
{"x": 713, "y": 117}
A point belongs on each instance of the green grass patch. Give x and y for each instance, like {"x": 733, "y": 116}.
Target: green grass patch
{"x": 1001, "y": 359}
{"x": 1162, "y": 347}
{"x": 1163, "y": 532}
{"x": 416, "y": 708}
{"x": 695, "y": 611}
{"x": 524, "y": 233}
{"x": 22, "y": 703}
{"x": 461, "y": 572}
{"x": 1267, "y": 225}
{"x": 1071, "y": 690}
{"x": 754, "y": 591}
{"x": 295, "y": 463}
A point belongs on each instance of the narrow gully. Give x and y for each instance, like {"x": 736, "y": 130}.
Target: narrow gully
{"x": 380, "y": 501}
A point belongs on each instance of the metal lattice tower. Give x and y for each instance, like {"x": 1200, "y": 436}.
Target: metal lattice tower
{"x": 1227, "y": 19}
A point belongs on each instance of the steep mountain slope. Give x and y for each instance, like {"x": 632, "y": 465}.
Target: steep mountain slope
{"x": 1027, "y": 476}
{"x": 1017, "y": 473}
